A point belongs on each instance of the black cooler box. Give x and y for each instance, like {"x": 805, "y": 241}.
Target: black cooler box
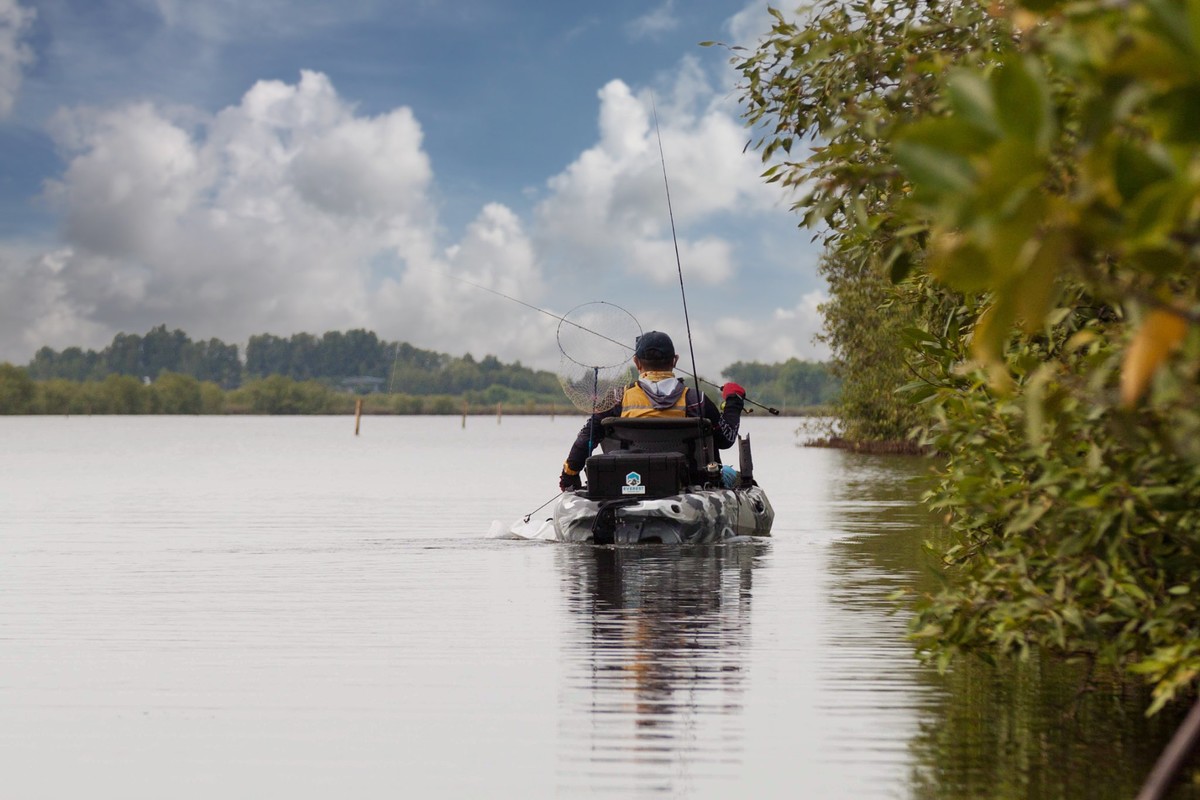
{"x": 636, "y": 476}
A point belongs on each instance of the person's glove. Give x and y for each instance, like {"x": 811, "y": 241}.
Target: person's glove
{"x": 568, "y": 481}
{"x": 730, "y": 389}
{"x": 733, "y": 397}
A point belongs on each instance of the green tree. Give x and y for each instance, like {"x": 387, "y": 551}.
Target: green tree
{"x": 162, "y": 351}
{"x": 279, "y": 395}
{"x": 1075, "y": 215}
{"x": 59, "y": 396}
{"x": 214, "y": 361}
{"x": 1027, "y": 177}
{"x": 825, "y": 92}
{"x": 16, "y": 390}
{"x": 212, "y": 399}
{"x": 267, "y": 354}
{"x": 119, "y": 394}
{"x": 177, "y": 394}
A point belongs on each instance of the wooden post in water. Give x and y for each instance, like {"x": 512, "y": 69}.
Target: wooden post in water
{"x": 357, "y": 413}
{"x": 464, "y": 422}
{"x": 499, "y": 411}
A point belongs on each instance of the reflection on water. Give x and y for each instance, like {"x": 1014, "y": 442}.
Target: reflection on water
{"x": 1027, "y": 730}
{"x": 656, "y": 664}
{"x": 1042, "y": 729}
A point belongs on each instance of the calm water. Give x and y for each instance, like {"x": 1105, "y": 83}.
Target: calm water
{"x": 271, "y": 607}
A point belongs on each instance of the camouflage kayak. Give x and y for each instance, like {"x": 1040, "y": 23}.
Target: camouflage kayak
{"x": 655, "y": 482}
{"x": 697, "y": 516}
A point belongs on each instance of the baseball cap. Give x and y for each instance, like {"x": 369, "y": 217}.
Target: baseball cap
{"x": 654, "y": 346}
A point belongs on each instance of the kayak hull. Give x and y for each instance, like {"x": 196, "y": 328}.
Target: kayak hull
{"x": 696, "y": 516}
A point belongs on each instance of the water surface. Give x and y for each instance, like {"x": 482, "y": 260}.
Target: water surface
{"x": 250, "y": 607}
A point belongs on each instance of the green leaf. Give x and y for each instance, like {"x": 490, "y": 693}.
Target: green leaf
{"x": 1152, "y": 217}
{"x": 1136, "y": 168}
{"x": 901, "y": 264}
{"x": 989, "y": 337}
{"x": 1149, "y": 58}
{"x": 971, "y": 98}
{"x": 1023, "y": 99}
{"x": 1073, "y": 617}
{"x": 1174, "y": 25}
{"x": 960, "y": 263}
{"x": 954, "y": 135}
{"x": 1026, "y": 518}
{"x": 1178, "y": 111}
{"x": 932, "y": 169}
{"x": 1035, "y": 292}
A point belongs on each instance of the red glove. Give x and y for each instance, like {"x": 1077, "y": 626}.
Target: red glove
{"x": 732, "y": 389}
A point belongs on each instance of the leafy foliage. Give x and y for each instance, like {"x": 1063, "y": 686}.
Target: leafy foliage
{"x": 1028, "y": 177}
{"x": 826, "y": 93}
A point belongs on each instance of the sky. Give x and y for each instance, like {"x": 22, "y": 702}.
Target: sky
{"x": 236, "y": 167}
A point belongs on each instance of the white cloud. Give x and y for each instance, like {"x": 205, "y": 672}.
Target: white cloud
{"x": 37, "y": 306}
{"x": 440, "y": 301}
{"x": 785, "y": 333}
{"x": 286, "y": 212}
{"x": 654, "y": 22}
{"x": 271, "y": 217}
{"x": 15, "y": 53}
{"x": 607, "y": 210}
{"x": 291, "y": 211}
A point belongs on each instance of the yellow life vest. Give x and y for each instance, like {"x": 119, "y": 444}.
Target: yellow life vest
{"x": 636, "y": 403}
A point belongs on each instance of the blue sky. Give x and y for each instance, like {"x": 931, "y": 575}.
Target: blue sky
{"x": 233, "y": 167}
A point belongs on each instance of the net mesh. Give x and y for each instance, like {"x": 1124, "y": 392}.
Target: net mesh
{"x": 596, "y": 341}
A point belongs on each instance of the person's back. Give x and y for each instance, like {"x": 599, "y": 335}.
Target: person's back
{"x": 657, "y": 393}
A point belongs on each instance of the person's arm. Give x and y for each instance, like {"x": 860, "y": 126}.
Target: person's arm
{"x": 728, "y": 419}
{"x": 585, "y": 442}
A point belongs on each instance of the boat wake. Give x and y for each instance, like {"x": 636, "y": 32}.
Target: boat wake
{"x": 541, "y": 530}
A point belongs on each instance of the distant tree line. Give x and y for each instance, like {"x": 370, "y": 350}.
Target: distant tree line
{"x": 165, "y": 372}
{"x": 158, "y": 351}
{"x": 328, "y": 359}
{"x": 788, "y": 385}
{"x": 173, "y": 393}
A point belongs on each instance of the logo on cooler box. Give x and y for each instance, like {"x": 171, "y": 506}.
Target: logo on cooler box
{"x": 633, "y": 484}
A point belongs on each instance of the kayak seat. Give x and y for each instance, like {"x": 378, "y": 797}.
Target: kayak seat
{"x": 690, "y": 437}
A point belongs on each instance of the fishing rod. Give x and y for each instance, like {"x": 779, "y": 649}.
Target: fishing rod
{"x": 552, "y": 315}
{"x": 706, "y": 442}
{"x": 679, "y": 264}
{"x": 687, "y": 323}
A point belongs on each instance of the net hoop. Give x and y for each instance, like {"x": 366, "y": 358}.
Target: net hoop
{"x": 596, "y": 340}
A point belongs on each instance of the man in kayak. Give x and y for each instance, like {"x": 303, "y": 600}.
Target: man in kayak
{"x": 657, "y": 393}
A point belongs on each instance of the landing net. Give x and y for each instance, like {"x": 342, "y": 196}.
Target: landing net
{"x": 596, "y": 341}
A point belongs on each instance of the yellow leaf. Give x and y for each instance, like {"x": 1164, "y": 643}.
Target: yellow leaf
{"x": 1036, "y": 289}
{"x": 1161, "y": 332}
{"x": 988, "y": 340}
{"x": 1080, "y": 340}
